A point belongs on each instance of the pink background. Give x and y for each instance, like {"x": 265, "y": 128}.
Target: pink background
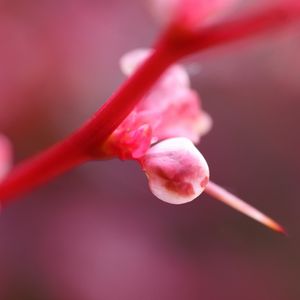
{"x": 97, "y": 232}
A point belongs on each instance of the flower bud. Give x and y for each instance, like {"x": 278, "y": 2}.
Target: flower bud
{"x": 176, "y": 170}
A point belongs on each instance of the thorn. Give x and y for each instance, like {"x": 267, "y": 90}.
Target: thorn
{"x": 233, "y": 201}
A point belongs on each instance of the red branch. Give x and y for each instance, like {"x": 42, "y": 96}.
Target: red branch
{"x": 85, "y": 144}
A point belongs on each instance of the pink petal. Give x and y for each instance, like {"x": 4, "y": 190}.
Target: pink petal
{"x": 129, "y": 143}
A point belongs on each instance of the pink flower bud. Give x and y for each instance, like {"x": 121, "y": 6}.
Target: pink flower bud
{"x": 176, "y": 170}
{"x": 5, "y": 156}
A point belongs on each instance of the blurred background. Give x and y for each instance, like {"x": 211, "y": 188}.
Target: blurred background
{"x": 97, "y": 232}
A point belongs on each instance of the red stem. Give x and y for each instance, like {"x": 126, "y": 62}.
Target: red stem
{"x": 102, "y": 124}
{"x": 40, "y": 169}
{"x": 85, "y": 144}
{"x": 271, "y": 18}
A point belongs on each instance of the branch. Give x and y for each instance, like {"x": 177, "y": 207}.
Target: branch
{"x": 85, "y": 144}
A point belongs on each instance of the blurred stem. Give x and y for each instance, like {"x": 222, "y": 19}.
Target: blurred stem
{"x": 86, "y": 143}
{"x": 268, "y": 19}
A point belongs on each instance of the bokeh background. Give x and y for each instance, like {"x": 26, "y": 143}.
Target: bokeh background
{"x": 97, "y": 232}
